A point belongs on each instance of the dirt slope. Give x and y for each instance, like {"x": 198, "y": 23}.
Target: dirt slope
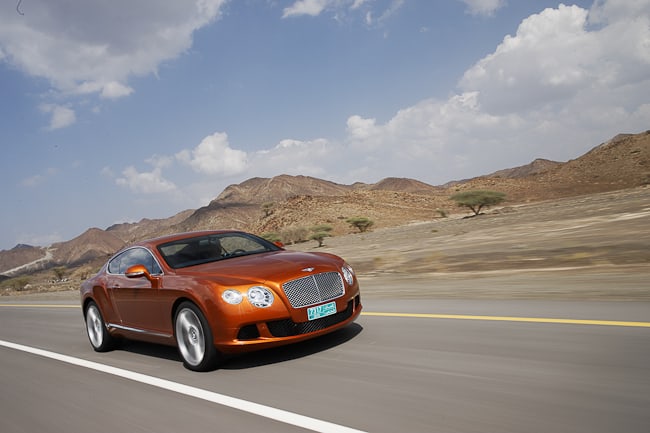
{"x": 618, "y": 164}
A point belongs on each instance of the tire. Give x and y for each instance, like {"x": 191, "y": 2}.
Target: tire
{"x": 194, "y": 338}
{"x": 100, "y": 339}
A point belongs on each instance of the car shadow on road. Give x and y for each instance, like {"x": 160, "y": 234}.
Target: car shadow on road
{"x": 150, "y": 349}
{"x": 253, "y": 359}
{"x": 291, "y": 351}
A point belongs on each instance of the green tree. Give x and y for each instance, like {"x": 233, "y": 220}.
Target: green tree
{"x": 478, "y": 199}
{"x": 320, "y": 232}
{"x": 271, "y": 236}
{"x": 84, "y": 273}
{"x": 294, "y": 234}
{"x": 17, "y": 283}
{"x": 59, "y": 272}
{"x": 360, "y": 223}
{"x": 267, "y": 208}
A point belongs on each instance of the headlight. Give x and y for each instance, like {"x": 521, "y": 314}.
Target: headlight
{"x": 348, "y": 274}
{"x": 260, "y": 297}
{"x": 232, "y": 296}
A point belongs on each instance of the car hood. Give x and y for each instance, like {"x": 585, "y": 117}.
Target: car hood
{"x": 277, "y": 266}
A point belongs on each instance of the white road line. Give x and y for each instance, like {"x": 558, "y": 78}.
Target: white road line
{"x": 286, "y": 417}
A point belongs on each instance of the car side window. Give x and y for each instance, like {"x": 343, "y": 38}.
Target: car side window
{"x": 134, "y": 256}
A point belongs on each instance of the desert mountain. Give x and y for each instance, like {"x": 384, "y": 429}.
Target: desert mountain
{"x": 20, "y": 255}
{"x": 404, "y": 185}
{"x": 93, "y": 243}
{"x": 535, "y": 167}
{"x": 622, "y": 162}
{"x": 303, "y": 201}
{"x": 130, "y": 232}
{"x": 260, "y": 190}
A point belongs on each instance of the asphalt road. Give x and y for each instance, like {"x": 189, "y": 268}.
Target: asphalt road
{"x": 437, "y": 366}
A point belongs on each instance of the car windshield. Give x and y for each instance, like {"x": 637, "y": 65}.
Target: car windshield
{"x": 209, "y": 248}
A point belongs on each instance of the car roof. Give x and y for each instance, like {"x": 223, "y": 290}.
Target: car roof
{"x": 179, "y": 236}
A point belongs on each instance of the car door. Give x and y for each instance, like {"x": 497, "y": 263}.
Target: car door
{"x": 139, "y": 306}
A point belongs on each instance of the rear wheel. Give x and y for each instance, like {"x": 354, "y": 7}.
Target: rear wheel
{"x": 194, "y": 338}
{"x": 100, "y": 339}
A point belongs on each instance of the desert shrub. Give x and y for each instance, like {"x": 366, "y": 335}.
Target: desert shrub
{"x": 18, "y": 283}
{"x": 478, "y": 199}
{"x": 319, "y": 237}
{"x": 85, "y": 272}
{"x": 294, "y": 234}
{"x": 321, "y": 228}
{"x": 271, "y": 236}
{"x": 320, "y": 232}
{"x": 360, "y": 223}
{"x": 267, "y": 208}
{"x": 59, "y": 272}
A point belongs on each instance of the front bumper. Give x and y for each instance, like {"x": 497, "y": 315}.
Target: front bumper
{"x": 266, "y": 334}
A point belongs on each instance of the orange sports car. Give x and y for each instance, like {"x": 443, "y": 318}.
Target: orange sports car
{"x": 216, "y": 292}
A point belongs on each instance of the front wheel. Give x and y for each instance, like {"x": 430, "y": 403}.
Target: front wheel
{"x": 194, "y": 338}
{"x": 98, "y": 334}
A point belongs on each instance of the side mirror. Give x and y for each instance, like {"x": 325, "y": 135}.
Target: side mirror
{"x": 279, "y": 244}
{"x": 137, "y": 271}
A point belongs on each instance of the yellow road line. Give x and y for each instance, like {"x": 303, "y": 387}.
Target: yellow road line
{"x": 436, "y": 316}
{"x": 40, "y": 305}
{"x": 513, "y": 319}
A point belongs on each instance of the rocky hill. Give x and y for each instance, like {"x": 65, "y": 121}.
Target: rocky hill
{"x": 405, "y": 185}
{"x": 535, "y": 167}
{"x": 260, "y": 190}
{"x": 145, "y": 228}
{"x": 21, "y": 255}
{"x": 93, "y": 243}
{"x": 302, "y": 201}
{"x": 622, "y": 162}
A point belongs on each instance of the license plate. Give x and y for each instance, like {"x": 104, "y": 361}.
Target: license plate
{"x": 321, "y": 311}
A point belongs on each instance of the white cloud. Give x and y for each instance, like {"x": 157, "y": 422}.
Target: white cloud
{"x": 307, "y": 7}
{"x": 146, "y": 182}
{"x": 40, "y": 239}
{"x": 160, "y": 161}
{"x": 394, "y": 6}
{"x": 339, "y": 8}
{"x": 358, "y": 3}
{"x": 107, "y": 171}
{"x": 554, "y": 59}
{"x": 33, "y": 181}
{"x": 360, "y": 128}
{"x": 39, "y": 179}
{"x": 115, "y": 90}
{"x": 214, "y": 156}
{"x": 483, "y": 7}
{"x": 95, "y": 47}
{"x": 604, "y": 11}
{"x": 213, "y": 159}
{"x": 108, "y": 42}
{"x": 296, "y": 157}
{"x": 553, "y": 90}
{"x": 61, "y": 116}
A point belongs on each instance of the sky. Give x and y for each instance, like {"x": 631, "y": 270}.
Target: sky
{"x": 112, "y": 110}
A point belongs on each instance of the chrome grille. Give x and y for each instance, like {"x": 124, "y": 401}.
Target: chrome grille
{"x": 288, "y": 328}
{"x": 313, "y": 289}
